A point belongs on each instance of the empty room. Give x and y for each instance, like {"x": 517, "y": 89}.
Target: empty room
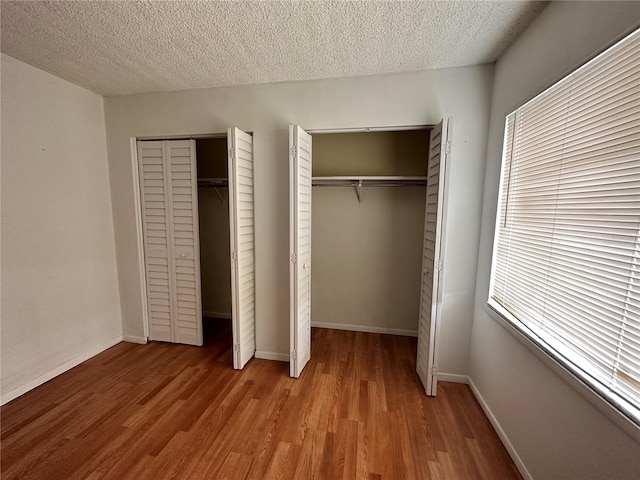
{"x": 320, "y": 239}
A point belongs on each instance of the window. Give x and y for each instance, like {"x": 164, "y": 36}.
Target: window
{"x": 566, "y": 261}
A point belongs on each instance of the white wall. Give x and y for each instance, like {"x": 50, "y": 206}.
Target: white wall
{"x": 60, "y": 301}
{"x": 267, "y": 110}
{"x": 557, "y": 433}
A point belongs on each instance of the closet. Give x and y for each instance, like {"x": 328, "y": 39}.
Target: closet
{"x": 182, "y": 227}
{"x": 214, "y": 227}
{"x": 366, "y": 214}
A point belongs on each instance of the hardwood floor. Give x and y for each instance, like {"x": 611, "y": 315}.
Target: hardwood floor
{"x": 164, "y": 411}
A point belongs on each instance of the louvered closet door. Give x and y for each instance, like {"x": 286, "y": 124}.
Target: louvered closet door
{"x": 185, "y": 246}
{"x": 241, "y": 215}
{"x": 170, "y": 230}
{"x": 431, "y": 292}
{"x": 155, "y": 223}
{"x": 300, "y": 247}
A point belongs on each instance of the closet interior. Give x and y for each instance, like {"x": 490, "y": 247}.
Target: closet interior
{"x": 368, "y": 207}
{"x": 215, "y": 252}
{"x": 366, "y": 242}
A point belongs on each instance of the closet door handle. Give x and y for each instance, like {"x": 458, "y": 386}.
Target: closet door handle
{"x": 183, "y": 255}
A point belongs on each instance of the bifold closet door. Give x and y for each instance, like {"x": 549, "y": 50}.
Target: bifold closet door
{"x": 155, "y": 225}
{"x": 241, "y": 215}
{"x": 431, "y": 291}
{"x": 300, "y": 248}
{"x": 169, "y": 203}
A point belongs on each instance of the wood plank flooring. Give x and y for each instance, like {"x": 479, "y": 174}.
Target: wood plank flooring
{"x": 164, "y": 411}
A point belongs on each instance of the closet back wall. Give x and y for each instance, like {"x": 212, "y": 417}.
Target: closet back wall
{"x": 418, "y": 98}
{"x": 373, "y": 153}
{"x": 215, "y": 254}
{"x": 366, "y": 256}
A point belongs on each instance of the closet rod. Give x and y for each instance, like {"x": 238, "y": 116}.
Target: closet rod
{"x": 390, "y": 181}
{"x": 213, "y": 182}
{"x": 320, "y": 131}
{"x": 359, "y": 182}
{"x": 356, "y": 178}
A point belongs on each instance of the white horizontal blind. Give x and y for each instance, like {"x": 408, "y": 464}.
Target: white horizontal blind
{"x": 566, "y": 265}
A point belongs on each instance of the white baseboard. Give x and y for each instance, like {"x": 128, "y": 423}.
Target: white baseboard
{"x": 503, "y": 436}
{"x": 453, "y": 377}
{"x": 365, "y": 328}
{"x": 280, "y": 357}
{"x": 217, "y": 315}
{"x": 134, "y": 339}
{"x": 16, "y": 392}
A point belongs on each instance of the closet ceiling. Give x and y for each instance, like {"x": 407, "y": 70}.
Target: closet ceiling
{"x": 116, "y": 48}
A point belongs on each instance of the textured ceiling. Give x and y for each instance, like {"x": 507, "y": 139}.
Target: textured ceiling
{"x": 116, "y": 48}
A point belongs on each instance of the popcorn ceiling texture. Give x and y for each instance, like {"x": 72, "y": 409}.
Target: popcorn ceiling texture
{"x": 117, "y": 48}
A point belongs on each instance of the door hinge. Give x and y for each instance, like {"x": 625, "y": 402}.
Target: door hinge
{"x": 294, "y": 153}
{"x": 439, "y": 265}
{"x": 234, "y": 256}
{"x": 236, "y": 347}
{"x": 447, "y": 147}
{"x": 294, "y": 355}
{"x": 294, "y": 258}
{"x": 434, "y": 370}
{"x": 232, "y": 153}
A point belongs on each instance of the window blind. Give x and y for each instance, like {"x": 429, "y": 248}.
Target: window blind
{"x": 566, "y": 265}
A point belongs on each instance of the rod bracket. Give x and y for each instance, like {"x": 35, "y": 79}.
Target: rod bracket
{"x": 358, "y": 189}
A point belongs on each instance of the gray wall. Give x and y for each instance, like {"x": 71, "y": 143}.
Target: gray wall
{"x": 557, "y": 433}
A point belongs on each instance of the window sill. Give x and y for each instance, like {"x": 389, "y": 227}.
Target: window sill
{"x": 616, "y": 416}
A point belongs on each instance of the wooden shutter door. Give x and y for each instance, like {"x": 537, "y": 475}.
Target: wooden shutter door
{"x": 431, "y": 292}
{"x": 241, "y": 216}
{"x": 300, "y": 247}
{"x": 155, "y": 223}
{"x": 168, "y": 186}
{"x": 185, "y": 245}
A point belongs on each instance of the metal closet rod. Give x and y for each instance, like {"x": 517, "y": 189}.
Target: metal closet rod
{"x": 213, "y": 182}
{"x": 372, "y": 181}
{"x": 371, "y": 177}
{"x": 350, "y": 181}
